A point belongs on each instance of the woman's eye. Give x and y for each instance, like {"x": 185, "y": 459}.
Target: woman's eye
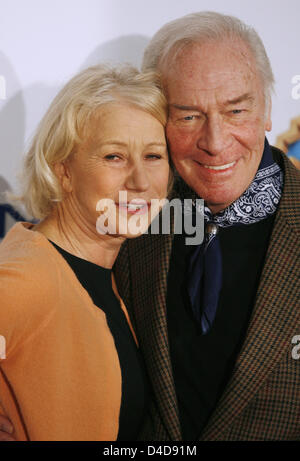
{"x": 112, "y": 157}
{"x": 153, "y": 156}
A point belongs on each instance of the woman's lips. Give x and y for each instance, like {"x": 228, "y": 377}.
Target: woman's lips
{"x": 134, "y": 207}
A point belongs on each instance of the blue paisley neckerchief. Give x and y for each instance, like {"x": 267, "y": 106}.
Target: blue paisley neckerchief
{"x": 258, "y": 202}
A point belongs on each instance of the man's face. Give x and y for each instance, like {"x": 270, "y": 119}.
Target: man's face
{"x": 217, "y": 120}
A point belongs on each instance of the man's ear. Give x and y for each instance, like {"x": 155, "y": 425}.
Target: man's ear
{"x": 268, "y": 120}
{"x": 63, "y": 174}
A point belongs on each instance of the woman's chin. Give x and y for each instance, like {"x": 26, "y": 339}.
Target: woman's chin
{"x": 128, "y": 227}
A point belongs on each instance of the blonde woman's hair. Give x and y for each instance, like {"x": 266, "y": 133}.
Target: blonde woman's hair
{"x": 61, "y": 128}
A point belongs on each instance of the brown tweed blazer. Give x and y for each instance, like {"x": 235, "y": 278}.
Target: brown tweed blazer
{"x": 262, "y": 398}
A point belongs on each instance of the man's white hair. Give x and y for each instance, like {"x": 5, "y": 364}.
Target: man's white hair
{"x": 200, "y": 28}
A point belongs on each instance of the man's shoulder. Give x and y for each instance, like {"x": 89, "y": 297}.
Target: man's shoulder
{"x": 289, "y": 207}
{"x": 292, "y": 174}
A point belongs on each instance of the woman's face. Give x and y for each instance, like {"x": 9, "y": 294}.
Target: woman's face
{"x": 123, "y": 151}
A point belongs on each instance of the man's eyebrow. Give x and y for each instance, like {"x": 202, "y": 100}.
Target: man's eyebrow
{"x": 243, "y": 97}
{"x": 182, "y": 107}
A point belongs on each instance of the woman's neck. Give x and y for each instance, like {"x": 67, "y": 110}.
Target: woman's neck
{"x": 79, "y": 240}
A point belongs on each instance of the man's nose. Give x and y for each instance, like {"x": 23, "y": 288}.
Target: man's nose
{"x": 214, "y": 137}
{"x": 137, "y": 178}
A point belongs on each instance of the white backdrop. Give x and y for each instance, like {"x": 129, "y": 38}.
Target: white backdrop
{"x": 44, "y": 42}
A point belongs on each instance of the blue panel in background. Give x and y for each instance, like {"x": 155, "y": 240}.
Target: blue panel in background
{"x": 6, "y": 209}
{"x": 294, "y": 150}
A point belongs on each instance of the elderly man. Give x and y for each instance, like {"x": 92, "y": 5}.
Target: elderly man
{"x": 218, "y": 323}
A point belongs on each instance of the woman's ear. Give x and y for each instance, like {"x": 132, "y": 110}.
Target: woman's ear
{"x": 63, "y": 174}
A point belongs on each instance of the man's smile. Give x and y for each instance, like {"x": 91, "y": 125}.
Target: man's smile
{"x": 217, "y": 169}
{"x": 220, "y": 167}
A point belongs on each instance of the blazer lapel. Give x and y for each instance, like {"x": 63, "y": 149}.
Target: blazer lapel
{"x": 274, "y": 317}
{"x": 149, "y": 258}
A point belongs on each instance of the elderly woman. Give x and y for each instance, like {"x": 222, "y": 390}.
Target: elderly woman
{"x": 70, "y": 367}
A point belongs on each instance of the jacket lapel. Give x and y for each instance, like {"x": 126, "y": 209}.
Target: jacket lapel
{"x": 149, "y": 258}
{"x": 275, "y": 313}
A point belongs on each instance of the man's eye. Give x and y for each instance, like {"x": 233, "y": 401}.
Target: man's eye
{"x": 189, "y": 117}
{"x": 237, "y": 111}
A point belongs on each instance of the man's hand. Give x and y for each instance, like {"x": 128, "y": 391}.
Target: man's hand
{"x": 6, "y": 429}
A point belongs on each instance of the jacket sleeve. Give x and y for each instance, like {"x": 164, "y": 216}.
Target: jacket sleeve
{"x": 9, "y": 408}
{"x": 21, "y": 317}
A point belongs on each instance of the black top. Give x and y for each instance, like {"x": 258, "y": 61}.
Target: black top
{"x": 202, "y": 364}
{"x": 98, "y": 283}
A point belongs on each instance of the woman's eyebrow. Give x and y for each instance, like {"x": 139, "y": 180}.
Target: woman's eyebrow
{"x": 114, "y": 142}
{"x": 156, "y": 144}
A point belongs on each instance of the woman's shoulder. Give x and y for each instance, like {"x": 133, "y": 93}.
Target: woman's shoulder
{"x": 29, "y": 265}
{"x": 24, "y": 249}
{"x": 29, "y": 279}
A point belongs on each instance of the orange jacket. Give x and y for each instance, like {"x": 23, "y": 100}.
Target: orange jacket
{"x": 60, "y": 378}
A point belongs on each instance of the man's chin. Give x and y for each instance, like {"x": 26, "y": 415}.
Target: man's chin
{"x": 216, "y": 204}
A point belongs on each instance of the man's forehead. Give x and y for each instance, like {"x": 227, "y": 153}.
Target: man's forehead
{"x": 211, "y": 80}
{"x": 211, "y": 63}
{"x": 224, "y": 86}
{"x": 225, "y": 91}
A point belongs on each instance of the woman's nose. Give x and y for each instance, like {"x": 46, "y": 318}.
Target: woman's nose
{"x": 137, "y": 179}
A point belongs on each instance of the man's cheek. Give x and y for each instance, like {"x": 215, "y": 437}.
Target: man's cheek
{"x": 180, "y": 144}
{"x": 175, "y": 131}
{"x": 249, "y": 133}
